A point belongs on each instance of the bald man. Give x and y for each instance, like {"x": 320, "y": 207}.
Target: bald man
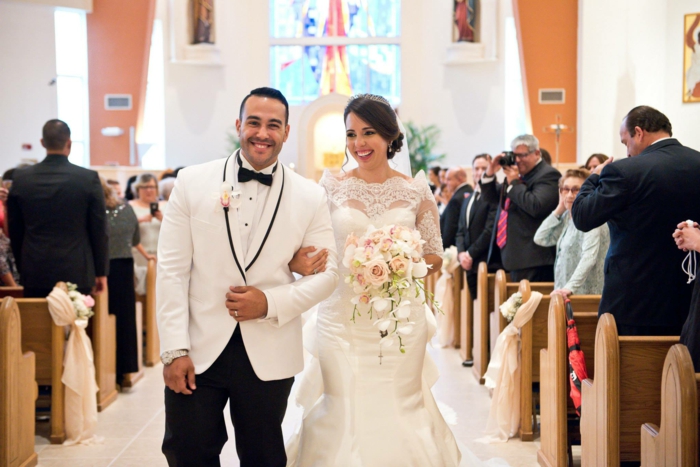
{"x": 456, "y": 181}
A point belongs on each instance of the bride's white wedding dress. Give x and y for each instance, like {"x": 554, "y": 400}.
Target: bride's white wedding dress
{"x": 358, "y": 412}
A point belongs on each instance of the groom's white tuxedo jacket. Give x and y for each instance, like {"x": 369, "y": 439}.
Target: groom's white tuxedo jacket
{"x": 196, "y": 268}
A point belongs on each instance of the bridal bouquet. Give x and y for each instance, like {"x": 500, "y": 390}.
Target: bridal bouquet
{"x": 82, "y": 304}
{"x": 510, "y": 307}
{"x": 385, "y": 267}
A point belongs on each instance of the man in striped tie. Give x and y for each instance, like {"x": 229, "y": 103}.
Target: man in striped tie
{"x": 525, "y": 198}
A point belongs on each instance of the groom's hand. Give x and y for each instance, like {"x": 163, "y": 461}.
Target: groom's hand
{"x": 179, "y": 375}
{"x": 246, "y": 303}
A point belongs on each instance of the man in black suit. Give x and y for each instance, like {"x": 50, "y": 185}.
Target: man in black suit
{"x": 476, "y": 222}
{"x": 456, "y": 181}
{"x": 57, "y": 220}
{"x": 527, "y": 196}
{"x": 642, "y": 198}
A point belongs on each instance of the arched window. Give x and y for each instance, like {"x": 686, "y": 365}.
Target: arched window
{"x": 344, "y": 46}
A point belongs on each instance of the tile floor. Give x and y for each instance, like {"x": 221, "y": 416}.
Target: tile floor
{"x": 133, "y": 426}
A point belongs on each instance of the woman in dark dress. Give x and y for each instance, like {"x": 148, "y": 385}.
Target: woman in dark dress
{"x": 688, "y": 239}
{"x": 123, "y": 234}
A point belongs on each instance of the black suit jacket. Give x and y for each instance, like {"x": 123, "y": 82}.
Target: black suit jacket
{"x": 449, "y": 221}
{"x": 58, "y": 224}
{"x": 531, "y": 201}
{"x": 476, "y": 238}
{"x": 643, "y": 199}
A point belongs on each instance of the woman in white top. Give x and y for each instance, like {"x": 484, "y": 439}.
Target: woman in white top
{"x": 578, "y": 267}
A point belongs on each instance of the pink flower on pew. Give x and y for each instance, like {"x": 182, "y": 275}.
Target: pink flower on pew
{"x": 89, "y": 301}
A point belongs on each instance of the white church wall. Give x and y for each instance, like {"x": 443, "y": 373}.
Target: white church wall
{"x": 630, "y": 53}
{"x": 27, "y": 64}
{"x": 466, "y": 102}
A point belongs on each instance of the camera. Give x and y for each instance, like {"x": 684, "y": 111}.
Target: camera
{"x": 154, "y": 208}
{"x": 508, "y": 159}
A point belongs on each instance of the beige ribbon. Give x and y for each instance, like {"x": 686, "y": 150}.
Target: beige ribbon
{"x": 78, "y": 372}
{"x": 503, "y": 376}
{"x": 444, "y": 296}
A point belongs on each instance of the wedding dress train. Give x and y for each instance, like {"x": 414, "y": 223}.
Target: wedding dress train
{"x": 358, "y": 410}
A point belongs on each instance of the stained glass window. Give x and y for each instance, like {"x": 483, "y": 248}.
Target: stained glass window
{"x": 344, "y": 46}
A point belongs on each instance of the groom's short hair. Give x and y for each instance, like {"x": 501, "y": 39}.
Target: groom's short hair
{"x": 267, "y": 92}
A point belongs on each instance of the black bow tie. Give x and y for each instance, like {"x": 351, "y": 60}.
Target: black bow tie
{"x": 246, "y": 175}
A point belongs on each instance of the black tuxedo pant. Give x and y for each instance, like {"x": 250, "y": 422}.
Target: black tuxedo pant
{"x": 536, "y": 274}
{"x": 195, "y": 431}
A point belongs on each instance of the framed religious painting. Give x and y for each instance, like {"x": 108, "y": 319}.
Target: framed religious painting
{"x": 691, "y": 58}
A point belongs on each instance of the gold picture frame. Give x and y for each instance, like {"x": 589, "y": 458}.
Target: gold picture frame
{"x": 691, "y": 58}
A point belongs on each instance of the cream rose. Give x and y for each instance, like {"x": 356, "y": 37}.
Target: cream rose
{"x": 400, "y": 265}
{"x": 376, "y": 272}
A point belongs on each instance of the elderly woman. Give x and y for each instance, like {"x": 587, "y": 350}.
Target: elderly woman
{"x": 149, "y": 212}
{"x": 123, "y": 236}
{"x": 578, "y": 267}
{"x": 688, "y": 239}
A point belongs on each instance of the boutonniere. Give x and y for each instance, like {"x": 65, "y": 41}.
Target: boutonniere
{"x": 227, "y": 197}
{"x": 467, "y": 195}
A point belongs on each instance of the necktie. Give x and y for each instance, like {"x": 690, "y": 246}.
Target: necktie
{"x": 502, "y": 227}
{"x": 246, "y": 175}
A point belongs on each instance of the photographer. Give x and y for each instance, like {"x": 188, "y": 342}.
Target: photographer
{"x": 528, "y": 194}
{"x": 149, "y": 213}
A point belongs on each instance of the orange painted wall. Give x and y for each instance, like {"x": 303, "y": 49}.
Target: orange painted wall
{"x": 119, "y": 41}
{"x": 548, "y": 40}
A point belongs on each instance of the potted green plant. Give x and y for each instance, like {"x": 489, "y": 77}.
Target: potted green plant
{"x": 421, "y": 142}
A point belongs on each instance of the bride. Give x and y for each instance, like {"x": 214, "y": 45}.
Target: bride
{"x": 360, "y": 410}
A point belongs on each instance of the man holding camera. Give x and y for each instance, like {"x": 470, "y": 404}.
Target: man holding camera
{"x": 526, "y": 197}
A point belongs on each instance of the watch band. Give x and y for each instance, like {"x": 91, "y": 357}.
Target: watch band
{"x": 168, "y": 356}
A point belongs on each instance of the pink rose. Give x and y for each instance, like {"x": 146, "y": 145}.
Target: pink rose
{"x": 399, "y": 265}
{"x": 88, "y": 301}
{"x": 377, "y": 236}
{"x": 377, "y": 272}
{"x": 386, "y": 244}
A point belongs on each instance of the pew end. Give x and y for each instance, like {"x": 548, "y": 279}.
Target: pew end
{"x": 625, "y": 393}
{"x": 674, "y": 442}
{"x": 103, "y": 327}
{"x": 466, "y": 311}
{"x": 14, "y": 292}
{"x": 18, "y": 391}
{"x": 483, "y": 304}
{"x": 152, "y": 350}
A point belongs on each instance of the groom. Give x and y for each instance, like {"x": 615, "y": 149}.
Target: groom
{"x": 228, "y": 306}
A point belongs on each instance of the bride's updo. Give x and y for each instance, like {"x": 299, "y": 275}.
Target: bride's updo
{"x": 377, "y": 111}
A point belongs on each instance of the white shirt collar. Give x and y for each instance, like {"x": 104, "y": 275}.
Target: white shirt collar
{"x": 460, "y": 186}
{"x": 661, "y": 139}
{"x": 266, "y": 170}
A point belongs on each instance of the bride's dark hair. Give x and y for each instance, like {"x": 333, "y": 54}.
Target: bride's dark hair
{"x": 377, "y": 111}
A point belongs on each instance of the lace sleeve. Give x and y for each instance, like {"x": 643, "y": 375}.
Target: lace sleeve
{"x": 428, "y": 223}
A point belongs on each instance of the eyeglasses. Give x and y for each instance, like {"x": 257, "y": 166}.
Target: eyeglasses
{"x": 565, "y": 190}
{"x": 148, "y": 187}
{"x": 522, "y": 155}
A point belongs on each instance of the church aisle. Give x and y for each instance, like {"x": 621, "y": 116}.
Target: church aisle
{"x": 133, "y": 426}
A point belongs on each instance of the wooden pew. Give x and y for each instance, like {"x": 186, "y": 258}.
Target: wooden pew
{"x": 130, "y": 379}
{"x": 18, "y": 392}
{"x": 625, "y": 394}
{"x": 674, "y": 443}
{"x": 483, "y": 304}
{"x": 41, "y": 336}
{"x": 466, "y": 311}
{"x": 533, "y": 338}
{"x": 148, "y": 301}
{"x": 15, "y": 292}
{"x": 103, "y": 333}
{"x": 457, "y": 284}
{"x": 555, "y": 403}
{"x": 503, "y": 289}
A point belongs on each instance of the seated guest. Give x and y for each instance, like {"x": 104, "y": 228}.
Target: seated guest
{"x": 476, "y": 221}
{"x": 456, "y": 182}
{"x": 594, "y": 161}
{"x": 527, "y": 196}
{"x": 123, "y": 235}
{"x": 149, "y": 212}
{"x": 578, "y": 267}
{"x": 688, "y": 239}
{"x": 641, "y": 198}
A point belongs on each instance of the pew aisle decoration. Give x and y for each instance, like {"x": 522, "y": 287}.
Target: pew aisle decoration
{"x": 510, "y": 307}
{"x": 385, "y": 267}
{"x": 503, "y": 376}
{"x": 74, "y": 309}
{"x": 444, "y": 296}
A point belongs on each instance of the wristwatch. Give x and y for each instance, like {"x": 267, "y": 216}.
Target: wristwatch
{"x": 168, "y": 356}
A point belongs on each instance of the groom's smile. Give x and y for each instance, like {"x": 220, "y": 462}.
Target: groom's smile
{"x": 262, "y": 129}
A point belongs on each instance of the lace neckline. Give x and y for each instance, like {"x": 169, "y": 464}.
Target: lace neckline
{"x": 396, "y": 179}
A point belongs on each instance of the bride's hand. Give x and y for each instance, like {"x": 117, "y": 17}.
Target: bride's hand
{"x": 306, "y": 265}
